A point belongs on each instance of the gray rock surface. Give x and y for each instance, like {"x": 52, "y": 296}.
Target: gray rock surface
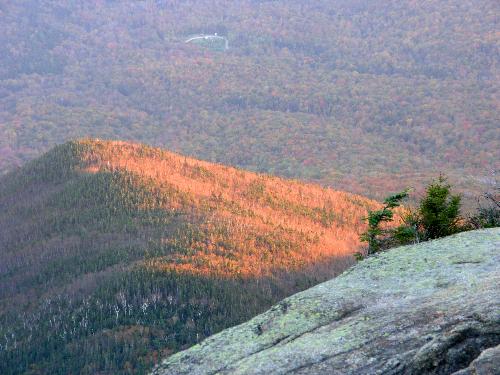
{"x": 431, "y": 308}
{"x": 488, "y": 363}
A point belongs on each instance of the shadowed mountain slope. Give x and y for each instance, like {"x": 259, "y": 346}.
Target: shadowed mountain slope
{"x": 431, "y": 308}
{"x": 112, "y": 253}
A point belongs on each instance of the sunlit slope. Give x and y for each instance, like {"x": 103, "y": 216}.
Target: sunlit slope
{"x": 112, "y": 252}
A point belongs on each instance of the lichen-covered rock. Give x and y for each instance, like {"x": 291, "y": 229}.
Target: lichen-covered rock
{"x": 430, "y": 308}
{"x": 488, "y": 363}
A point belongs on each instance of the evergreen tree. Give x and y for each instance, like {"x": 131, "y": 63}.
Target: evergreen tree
{"x": 440, "y": 210}
{"x": 375, "y": 235}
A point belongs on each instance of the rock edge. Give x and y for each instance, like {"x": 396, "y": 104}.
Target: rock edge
{"x": 430, "y": 308}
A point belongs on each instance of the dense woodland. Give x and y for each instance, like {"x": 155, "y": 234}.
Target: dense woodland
{"x": 365, "y": 96}
{"x": 115, "y": 254}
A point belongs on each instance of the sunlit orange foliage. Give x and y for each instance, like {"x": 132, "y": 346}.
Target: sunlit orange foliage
{"x": 249, "y": 224}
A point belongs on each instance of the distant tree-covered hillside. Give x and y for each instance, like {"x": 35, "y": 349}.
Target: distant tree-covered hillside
{"x": 367, "y": 96}
{"x": 113, "y": 254}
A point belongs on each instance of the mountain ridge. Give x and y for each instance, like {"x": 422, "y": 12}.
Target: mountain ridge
{"x": 124, "y": 245}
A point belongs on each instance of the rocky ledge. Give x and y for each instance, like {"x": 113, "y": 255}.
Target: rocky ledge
{"x": 431, "y": 308}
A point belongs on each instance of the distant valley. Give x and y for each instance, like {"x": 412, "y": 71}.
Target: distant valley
{"x": 364, "y": 96}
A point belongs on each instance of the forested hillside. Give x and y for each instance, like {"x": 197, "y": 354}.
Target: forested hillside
{"x": 367, "y": 96}
{"x": 113, "y": 254}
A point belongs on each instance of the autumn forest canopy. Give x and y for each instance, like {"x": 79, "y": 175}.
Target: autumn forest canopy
{"x": 171, "y": 168}
{"x": 365, "y": 96}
